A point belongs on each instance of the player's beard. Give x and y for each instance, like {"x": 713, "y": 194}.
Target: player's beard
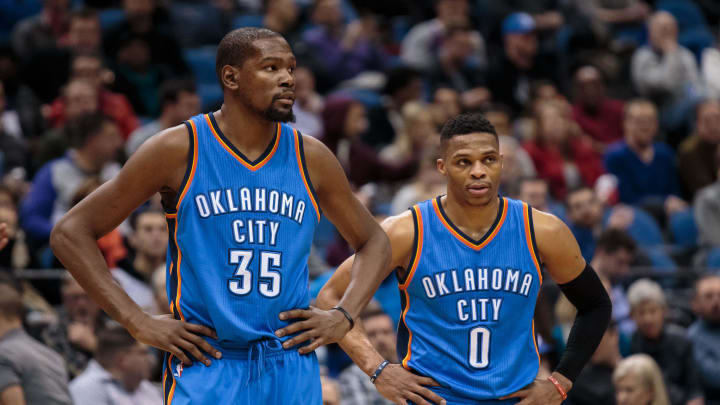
{"x": 276, "y": 115}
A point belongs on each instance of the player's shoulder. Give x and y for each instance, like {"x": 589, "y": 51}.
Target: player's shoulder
{"x": 168, "y": 143}
{"x": 547, "y": 225}
{"x": 314, "y": 148}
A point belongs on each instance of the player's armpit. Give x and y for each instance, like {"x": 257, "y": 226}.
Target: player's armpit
{"x": 558, "y": 249}
{"x": 12, "y": 395}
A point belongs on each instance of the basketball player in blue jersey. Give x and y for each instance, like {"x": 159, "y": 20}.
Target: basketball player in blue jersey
{"x": 469, "y": 269}
{"x": 243, "y": 193}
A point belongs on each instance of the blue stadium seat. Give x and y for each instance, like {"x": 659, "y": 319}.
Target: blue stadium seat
{"x": 197, "y": 24}
{"x": 210, "y": 94}
{"x": 644, "y": 229}
{"x": 683, "y": 228}
{"x": 713, "y": 259}
{"x": 248, "y": 20}
{"x": 110, "y": 17}
{"x": 659, "y": 258}
{"x": 202, "y": 63}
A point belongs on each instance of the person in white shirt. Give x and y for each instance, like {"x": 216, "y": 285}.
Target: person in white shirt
{"x": 118, "y": 373}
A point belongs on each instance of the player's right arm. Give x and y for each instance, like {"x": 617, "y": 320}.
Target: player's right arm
{"x": 394, "y": 383}
{"x": 158, "y": 166}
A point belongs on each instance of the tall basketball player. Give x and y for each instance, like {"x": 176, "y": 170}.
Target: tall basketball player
{"x": 469, "y": 265}
{"x": 243, "y": 193}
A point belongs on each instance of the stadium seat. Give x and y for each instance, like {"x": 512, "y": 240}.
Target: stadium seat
{"x": 644, "y": 229}
{"x": 202, "y": 63}
{"x": 250, "y": 20}
{"x": 210, "y": 94}
{"x": 683, "y": 229}
{"x": 197, "y": 24}
{"x": 713, "y": 259}
{"x": 110, "y": 17}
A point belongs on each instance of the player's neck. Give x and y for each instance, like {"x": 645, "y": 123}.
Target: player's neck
{"x": 471, "y": 219}
{"x": 246, "y": 130}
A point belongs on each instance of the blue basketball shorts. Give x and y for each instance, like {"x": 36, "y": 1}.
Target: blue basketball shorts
{"x": 265, "y": 373}
{"x": 453, "y": 398}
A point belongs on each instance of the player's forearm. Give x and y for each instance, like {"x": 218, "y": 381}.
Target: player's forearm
{"x": 369, "y": 269}
{"x": 357, "y": 345}
{"x": 77, "y": 249}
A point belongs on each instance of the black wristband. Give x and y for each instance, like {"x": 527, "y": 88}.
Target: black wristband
{"x": 344, "y": 312}
{"x": 378, "y": 370}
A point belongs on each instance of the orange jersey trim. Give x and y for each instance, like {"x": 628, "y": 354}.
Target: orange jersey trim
{"x": 193, "y": 166}
{"x": 464, "y": 240}
{"x": 179, "y": 275}
{"x": 535, "y": 342}
{"x": 528, "y": 239}
{"x": 410, "y": 334}
{"x": 252, "y": 167}
{"x": 172, "y": 388}
{"x": 302, "y": 173}
{"x": 418, "y": 251}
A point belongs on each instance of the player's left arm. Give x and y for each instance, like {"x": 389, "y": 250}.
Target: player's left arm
{"x": 563, "y": 261}
{"x": 363, "y": 234}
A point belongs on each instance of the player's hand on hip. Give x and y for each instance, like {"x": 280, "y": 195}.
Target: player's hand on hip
{"x": 540, "y": 392}
{"x": 177, "y": 337}
{"x": 320, "y": 326}
{"x": 399, "y": 385}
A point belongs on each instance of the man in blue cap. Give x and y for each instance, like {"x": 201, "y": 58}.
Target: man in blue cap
{"x": 512, "y": 72}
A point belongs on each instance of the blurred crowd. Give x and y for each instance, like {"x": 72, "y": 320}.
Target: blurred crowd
{"x": 608, "y": 113}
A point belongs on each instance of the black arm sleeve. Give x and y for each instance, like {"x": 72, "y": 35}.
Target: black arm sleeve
{"x": 588, "y": 295}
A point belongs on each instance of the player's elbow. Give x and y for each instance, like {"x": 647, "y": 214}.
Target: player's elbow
{"x": 60, "y": 236}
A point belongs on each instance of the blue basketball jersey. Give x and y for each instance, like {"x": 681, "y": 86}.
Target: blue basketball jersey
{"x": 240, "y": 235}
{"x": 468, "y": 305}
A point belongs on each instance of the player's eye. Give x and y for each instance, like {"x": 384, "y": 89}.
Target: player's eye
{"x": 490, "y": 159}
{"x": 271, "y": 68}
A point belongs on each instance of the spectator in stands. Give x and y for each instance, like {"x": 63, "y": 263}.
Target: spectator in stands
{"x": 622, "y": 20}
{"x": 594, "y": 385}
{"x": 281, "y": 16}
{"x": 355, "y": 386}
{"x": 118, "y": 373}
{"x": 599, "y": 116}
{"x": 148, "y": 240}
{"x": 344, "y": 121}
{"x": 710, "y": 69}
{"x": 645, "y": 169}
{"x": 136, "y": 77}
{"x": 73, "y": 335}
{"x": 308, "y": 103}
{"x": 84, "y": 36}
{"x": 339, "y": 52}
{"x": 30, "y": 373}
{"x": 16, "y": 256}
{"x": 80, "y": 98}
{"x": 445, "y": 105}
{"x": 697, "y": 154}
{"x": 535, "y": 191}
{"x": 14, "y": 151}
{"x": 428, "y": 183}
{"x": 420, "y": 44}
{"x": 517, "y": 166}
{"x": 403, "y": 85}
{"x": 561, "y": 157}
{"x": 512, "y": 70}
{"x": 615, "y": 251}
{"x": 585, "y": 218}
{"x": 666, "y": 72}
{"x": 707, "y": 212}
{"x": 666, "y": 344}
{"x": 178, "y": 101}
{"x": 330, "y": 391}
{"x": 143, "y": 19}
{"x": 42, "y": 31}
{"x": 418, "y": 129}
{"x": 97, "y": 141}
{"x": 705, "y": 335}
{"x": 638, "y": 381}
{"x": 89, "y": 67}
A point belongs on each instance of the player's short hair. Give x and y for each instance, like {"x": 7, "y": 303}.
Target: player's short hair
{"x": 84, "y": 127}
{"x": 612, "y": 240}
{"x": 111, "y": 341}
{"x": 11, "y": 304}
{"x": 467, "y": 123}
{"x": 237, "y": 46}
{"x": 170, "y": 90}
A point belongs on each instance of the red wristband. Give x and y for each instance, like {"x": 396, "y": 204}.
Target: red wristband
{"x": 558, "y": 387}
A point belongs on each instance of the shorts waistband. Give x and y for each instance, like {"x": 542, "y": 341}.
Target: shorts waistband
{"x": 254, "y": 351}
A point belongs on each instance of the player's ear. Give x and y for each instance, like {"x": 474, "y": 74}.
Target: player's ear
{"x": 440, "y": 164}
{"x": 230, "y": 77}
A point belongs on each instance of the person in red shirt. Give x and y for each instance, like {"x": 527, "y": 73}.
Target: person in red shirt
{"x": 561, "y": 155}
{"x": 599, "y": 116}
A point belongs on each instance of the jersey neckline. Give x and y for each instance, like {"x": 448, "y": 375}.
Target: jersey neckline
{"x": 252, "y": 165}
{"x": 464, "y": 238}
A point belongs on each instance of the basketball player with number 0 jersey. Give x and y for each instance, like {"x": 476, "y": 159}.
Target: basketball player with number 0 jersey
{"x": 243, "y": 193}
{"x": 469, "y": 271}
